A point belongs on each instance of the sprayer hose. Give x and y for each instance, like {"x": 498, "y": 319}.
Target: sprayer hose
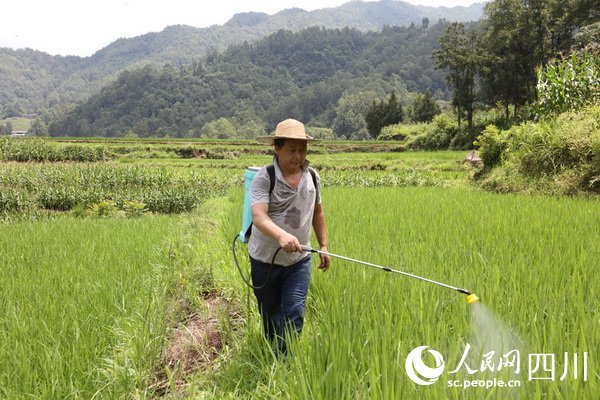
{"x": 240, "y": 269}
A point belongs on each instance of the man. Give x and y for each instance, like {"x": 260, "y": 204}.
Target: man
{"x": 283, "y": 217}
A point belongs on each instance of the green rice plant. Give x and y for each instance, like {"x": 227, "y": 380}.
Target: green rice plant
{"x": 378, "y": 179}
{"x": 84, "y": 306}
{"x": 530, "y": 259}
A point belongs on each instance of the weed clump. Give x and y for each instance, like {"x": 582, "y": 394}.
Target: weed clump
{"x": 563, "y": 153}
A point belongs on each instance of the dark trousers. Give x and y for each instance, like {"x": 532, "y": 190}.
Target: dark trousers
{"x": 282, "y": 300}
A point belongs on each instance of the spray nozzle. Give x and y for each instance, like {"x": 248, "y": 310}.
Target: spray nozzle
{"x": 472, "y": 298}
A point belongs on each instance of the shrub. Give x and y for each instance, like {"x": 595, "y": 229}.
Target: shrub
{"x": 552, "y": 146}
{"x": 563, "y": 152}
{"x": 187, "y": 151}
{"x": 106, "y": 209}
{"x": 438, "y": 135}
{"x": 320, "y": 133}
{"x": 110, "y": 209}
{"x": 491, "y": 146}
{"x": 401, "y": 131}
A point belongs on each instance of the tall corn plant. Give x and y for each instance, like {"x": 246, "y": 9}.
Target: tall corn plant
{"x": 568, "y": 84}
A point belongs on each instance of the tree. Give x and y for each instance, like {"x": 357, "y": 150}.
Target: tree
{"x": 579, "y": 13}
{"x": 461, "y": 53}
{"x": 12, "y": 110}
{"x": 247, "y": 126}
{"x": 221, "y": 128}
{"x": 517, "y": 40}
{"x": 424, "y": 108}
{"x": 350, "y": 111}
{"x": 521, "y": 36}
{"x": 381, "y": 114}
{"x": 301, "y": 75}
{"x": 39, "y": 128}
{"x": 588, "y": 38}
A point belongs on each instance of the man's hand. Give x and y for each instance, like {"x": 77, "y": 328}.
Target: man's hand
{"x": 289, "y": 243}
{"x": 325, "y": 259}
{"x": 260, "y": 218}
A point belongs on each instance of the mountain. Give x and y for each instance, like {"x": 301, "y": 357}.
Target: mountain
{"x": 326, "y": 78}
{"x": 33, "y": 80}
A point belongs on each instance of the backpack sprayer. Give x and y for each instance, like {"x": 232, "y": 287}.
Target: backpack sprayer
{"x": 244, "y": 235}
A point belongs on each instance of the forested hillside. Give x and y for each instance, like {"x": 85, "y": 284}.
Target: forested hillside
{"x": 32, "y": 80}
{"x": 325, "y": 77}
{"x": 330, "y": 78}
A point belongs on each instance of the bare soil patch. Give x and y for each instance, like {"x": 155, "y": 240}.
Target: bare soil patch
{"x": 194, "y": 345}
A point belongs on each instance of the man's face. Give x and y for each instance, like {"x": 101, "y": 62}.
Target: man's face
{"x": 292, "y": 154}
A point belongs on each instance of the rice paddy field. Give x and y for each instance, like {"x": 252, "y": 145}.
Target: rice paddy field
{"x": 119, "y": 283}
{"x": 532, "y": 261}
{"x": 82, "y": 306}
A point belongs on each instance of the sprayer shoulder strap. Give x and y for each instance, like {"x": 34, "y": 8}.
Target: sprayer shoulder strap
{"x": 271, "y": 171}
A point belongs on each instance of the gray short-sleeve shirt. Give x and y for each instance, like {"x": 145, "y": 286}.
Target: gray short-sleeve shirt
{"x": 290, "y": 209}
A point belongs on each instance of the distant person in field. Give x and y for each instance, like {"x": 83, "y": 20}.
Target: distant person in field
{"x": 282, "y": 218}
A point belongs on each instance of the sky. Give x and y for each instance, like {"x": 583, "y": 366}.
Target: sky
{"x": 82, "y": 27}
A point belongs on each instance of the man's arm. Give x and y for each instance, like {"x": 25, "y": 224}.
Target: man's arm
{"x": 321, "y": 232}
{"x": 260, "y": 219}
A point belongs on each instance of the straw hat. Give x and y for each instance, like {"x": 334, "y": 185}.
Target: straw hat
{"x": 288, "y": 129}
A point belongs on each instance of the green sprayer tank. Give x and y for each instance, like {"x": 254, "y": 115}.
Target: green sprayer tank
{"x": 247, "y": 215}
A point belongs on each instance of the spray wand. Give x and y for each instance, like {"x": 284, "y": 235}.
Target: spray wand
{"x": 471, "y": 297}
{"x": 245, "y": 232}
